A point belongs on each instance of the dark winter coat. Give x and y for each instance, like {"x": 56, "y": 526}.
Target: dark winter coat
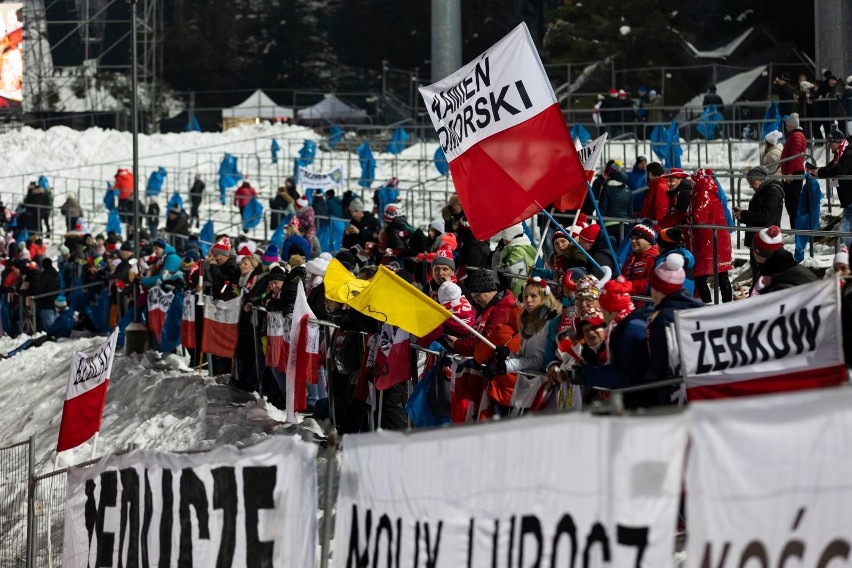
{"x": 616, "y": 199}
{"x": 46, "y": 282}
{"x": 197, "y": 189}
{"x": 765, "y": 208}
{"x": 659, "y": 321}
{"x": 784, "y": 272}
{"x": 178, "y": 224}
{"x": 153, "y": 215}
{"x": 628, "y": 348}
{"x": 223, "y": 281}
{"x": 36, "y": 203}
{"x": 843, "y": 167}
{"x": 368, "y": 231}
{"x": 293, "y": 242}
{"x": 600, "y": 253}
{"x": 707, "y": 209}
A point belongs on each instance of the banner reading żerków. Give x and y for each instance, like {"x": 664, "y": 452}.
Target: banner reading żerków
{"x": 504, "y": 136}
{"x": 767, "y": 480}
{"x": 320, "y": 180}
{"x": 786, "y": 340}
{"x": 228, "y": 507}
{"x": 506, "y": 494}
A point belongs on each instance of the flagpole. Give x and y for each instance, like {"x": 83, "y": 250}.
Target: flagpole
{"x": 474, "y": 332}
{"x": 601, "y": 221}
{"x": 573, "y": 241}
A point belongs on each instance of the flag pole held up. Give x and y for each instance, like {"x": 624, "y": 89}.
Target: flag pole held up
{"x": 573, "y": 242}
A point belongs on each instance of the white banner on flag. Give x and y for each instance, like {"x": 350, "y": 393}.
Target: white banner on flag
{"x": 90, "y": 370}
{"x": 228, "y": 507}
{"x": 503, "y": 87}
{"x": 767, "y": 480}
{"x": 323, "y": 180}
{"x": 775, "y": 334}
{"x": 505, "y": 491}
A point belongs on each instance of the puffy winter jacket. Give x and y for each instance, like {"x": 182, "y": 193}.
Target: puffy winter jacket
{"x": 616, "y": 199}
{"x": 518, "y": 257}
{"x": 637, "y": 269}
{"x": 706, "y": 209}
{"x": 657, "y": 201}
{"x": 660, "y": 320}
{"x": 169, "y": 267}
{"x": 765, "y": 208}
{"x": 243, "y": 195}
{"x": 796, "y": 144}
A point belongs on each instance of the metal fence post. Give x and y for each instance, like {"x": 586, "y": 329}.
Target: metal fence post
{"x": 31, "y": 505}
{"x": 330, "y": 467}
{"x": 715, "y": 267}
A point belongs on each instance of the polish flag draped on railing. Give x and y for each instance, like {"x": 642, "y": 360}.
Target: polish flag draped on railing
{"x": 85, "y": 395}
{"x": 221, "y": 318}
{"x": 504, "y": 136}
{"x": 302, "y": 356}
{"x": 187, "y": 321}
{"x": 159, "y": 301}
{"x": 590, "y": 157}
{"x": 277, "y": 329}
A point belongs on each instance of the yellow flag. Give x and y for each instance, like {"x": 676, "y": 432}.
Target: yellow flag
{"x": 340, "y": 285}
{"x": 390, "y": 299}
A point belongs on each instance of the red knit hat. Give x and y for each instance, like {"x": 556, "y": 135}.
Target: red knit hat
{"x": 616, "y": 295}
{"x": 223, "y": 246}
{"x": 590, "y": 233}
{"x": 768, "y": 240}
{"x": 668, "y": 277}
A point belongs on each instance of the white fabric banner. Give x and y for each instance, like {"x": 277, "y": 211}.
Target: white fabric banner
{"x": 90, "y": 370}
{"x": 768, "y": 481}
{"x": 323, "y": 180}
{"x": 228, "y": 507}
{"x": 779, "y": 333}
{"x": 503, "y": 87}
{"x": 538, "y": 491}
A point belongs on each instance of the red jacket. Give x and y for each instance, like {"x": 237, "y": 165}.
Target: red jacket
{"x": 706, "y": 209}
{"x": 795, "y": 144}
{"x": 657, "y": 201}
{"x": 124, "y": 183}
{"x": 243, "y": 195}
{"x": 638, "y": 267}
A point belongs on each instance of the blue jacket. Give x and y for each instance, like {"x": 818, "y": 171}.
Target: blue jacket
{"x": 171, "y": 265}
{"x": 63, "y": 325}
{"x": 637, "y": 178}
{"x": 335, "y": 207}
{"x": 660, "y": 319}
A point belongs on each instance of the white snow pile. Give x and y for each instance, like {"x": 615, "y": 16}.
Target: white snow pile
{"x": 153, "y": 401}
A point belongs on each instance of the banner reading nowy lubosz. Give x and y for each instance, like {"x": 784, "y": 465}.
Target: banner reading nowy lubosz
{"x": 228, "y": 507}
{"x": 507, "y": 494}
{"x": 85, "y": 394}
{"x": 320, "y": 180}
{"x": 502, "y": 131}
{"x": 768, "y": 481}
{"x": 786, "y": 340}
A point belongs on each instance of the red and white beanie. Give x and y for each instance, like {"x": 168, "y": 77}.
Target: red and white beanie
{"x": 222, "y": 247}
{"x": 449, "y": 294}
{"x": 615, "y": 295}
{"x": 668, "y": 277}
{"x": 768, "y": 240}
{"x": 842, "y": 257}
{"x": 590, "y": 233}
{"x": 302, "y": 202}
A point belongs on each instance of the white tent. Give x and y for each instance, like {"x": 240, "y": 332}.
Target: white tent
{"x": 732, "y": 88}
{"x": 258, "y": 106}
{"x": 332, "y": 109}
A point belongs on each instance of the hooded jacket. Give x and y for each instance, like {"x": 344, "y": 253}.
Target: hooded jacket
{"x": 169, "y": 268}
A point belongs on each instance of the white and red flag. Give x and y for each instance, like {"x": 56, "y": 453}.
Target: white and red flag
{"x": 187, "y": 321}
{"x": 390, "y": 357}
{"x": 302, "y": 356}
{"x": 783, "y": 341}
{"x": 590, "y": 156}
{"x": 277, "y": 329}
{"x": 158, "y": 305}
{"x": 221, "y": 318}
{"x": 85, "y": 395}
{"x": 502, "y": 131}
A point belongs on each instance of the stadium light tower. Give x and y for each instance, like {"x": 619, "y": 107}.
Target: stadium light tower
{"x": 446, "y": 38}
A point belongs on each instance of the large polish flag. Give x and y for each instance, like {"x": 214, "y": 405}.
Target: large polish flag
{"x": 187, "y": 321}
{"x": 783, "y": 341}
{"x": 302, "y": 356}
{"x": 159, "y": 302}
{"x": 509, "y": 149}
{"x": 219, "y": 336}
{"x": 85, "y": 395}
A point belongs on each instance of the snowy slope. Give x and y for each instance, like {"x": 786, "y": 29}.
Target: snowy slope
{"x": 153, "y": 401}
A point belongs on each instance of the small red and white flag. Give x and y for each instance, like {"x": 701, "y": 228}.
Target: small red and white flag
{"x": 158, "y": 304}
{"x": 783, "y": 341}
{"x": 303, "y": 355}
{"x": 187, "y": 321}
{"x": 590, "y": 156}
{"x": 504, "y": 136}
{"x": 219, "y": 336}
{"x": 390, "y": 357}
{"x": 277, "y": 329}
{"x": 85, "y": 395}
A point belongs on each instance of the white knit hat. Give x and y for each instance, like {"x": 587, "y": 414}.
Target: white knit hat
{"x": 509, "y": 233}
{"x": 842, "y": 257}
{"x": 773, "y": 137}
{"x": 449, "y": 293}
{"x": 438, "y": 224}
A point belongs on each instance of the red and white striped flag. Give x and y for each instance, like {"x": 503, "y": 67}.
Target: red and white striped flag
{"x": 277, "y": 328}
{"x": 85, "y": 395}
{"x": 504, "y": 136}
{"x": 187, "y": 321}
{"x": 590, "y": 157}
{"x": 219, "y": 336}
{"x": 158, "y": 304}
{"x": 303, "y": 355}
{"x": 390, "y": 357}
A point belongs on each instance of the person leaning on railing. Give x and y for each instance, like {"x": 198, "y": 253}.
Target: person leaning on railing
{"x": 839, "y": 166}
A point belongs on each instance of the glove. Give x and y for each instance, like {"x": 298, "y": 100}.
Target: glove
{"x": 494, "y": 367}
{"x": 501, "y": 353}
{"x": 575, "y": 375}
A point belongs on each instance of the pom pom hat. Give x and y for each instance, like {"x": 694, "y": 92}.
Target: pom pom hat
{"x": 668, "y": 277}
{"x": 768, "y": 240}
{"x": 615, "y": 295}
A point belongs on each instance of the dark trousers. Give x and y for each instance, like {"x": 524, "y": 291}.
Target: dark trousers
{"x": 702, "y": 285}
{"x": 792, "y": 191}
{"x": 193, "y": 211}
